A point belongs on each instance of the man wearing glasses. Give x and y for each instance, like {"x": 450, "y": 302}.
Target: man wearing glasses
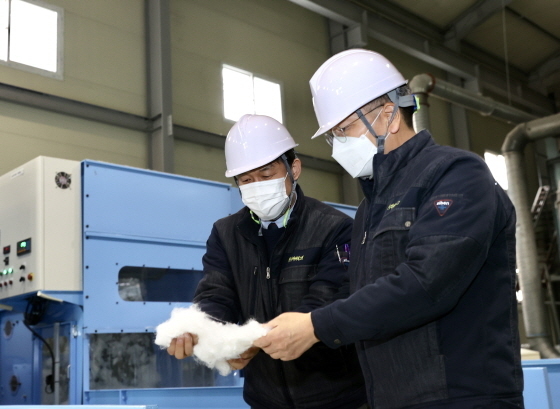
{"x": 432, "y": 309}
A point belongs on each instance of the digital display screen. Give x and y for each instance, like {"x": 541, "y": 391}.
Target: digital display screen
{"x": 6, "y": 249}
{"x": 24, "y": 247}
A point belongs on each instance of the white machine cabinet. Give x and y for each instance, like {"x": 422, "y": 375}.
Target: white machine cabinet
{"x": 40, "y": 230}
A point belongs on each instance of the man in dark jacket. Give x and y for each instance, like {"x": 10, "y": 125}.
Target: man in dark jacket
{"x": 283, "y": 252}
{"x": 433, "y": 310}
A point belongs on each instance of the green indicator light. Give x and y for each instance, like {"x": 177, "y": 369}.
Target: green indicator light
{"x": 24, "y": 247}
{"x": 4, "y": 272}
{"x": 10, "y": 271}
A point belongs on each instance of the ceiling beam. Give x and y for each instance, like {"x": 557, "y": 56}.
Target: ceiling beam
{"x": 343, "y": 13}
{"x": 64, "y": 106}
{"x": 393, "y": 12}
{"x": 548, "y": 68}
{"x": 430, "y": 51}
{"x": 473, "y": 17}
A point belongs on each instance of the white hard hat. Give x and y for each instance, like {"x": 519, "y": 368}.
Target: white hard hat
{"x": 349, "y": 80}
{"x": 254, "y": 141}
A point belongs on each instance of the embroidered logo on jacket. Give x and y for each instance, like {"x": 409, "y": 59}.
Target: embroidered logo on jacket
{"x": 443, "y": 205}
{"x": 391, "y": 206}
{"x": 295, "y": 258}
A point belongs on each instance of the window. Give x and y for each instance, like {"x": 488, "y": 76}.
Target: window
{"x": 158, "y": 284}
{"x": 245, "y": 93}
{"x": 497, "y": 165}
{"x": 31, "y": 36}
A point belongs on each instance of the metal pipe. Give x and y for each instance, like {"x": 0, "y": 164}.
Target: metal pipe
{"x": 421, "y": 85}
{"x": 528, "y": 130}
{"x": 552, "y": 299}
{"x": 526, "y": 248}
{"x": 421, "y": 118}
{"x": 427, "y": 84}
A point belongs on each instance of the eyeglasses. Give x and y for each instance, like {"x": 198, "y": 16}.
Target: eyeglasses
{"x": 340, "y": 133}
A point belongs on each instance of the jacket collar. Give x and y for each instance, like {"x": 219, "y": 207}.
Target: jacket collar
{"x": 250, "y": 228}
{"x": 384, "y": 167}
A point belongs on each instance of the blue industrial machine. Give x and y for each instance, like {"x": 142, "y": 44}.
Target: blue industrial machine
{"x": 97, "y": 255}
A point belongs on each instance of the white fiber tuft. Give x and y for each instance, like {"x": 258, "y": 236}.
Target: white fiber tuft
{"x": 217, "y": 342}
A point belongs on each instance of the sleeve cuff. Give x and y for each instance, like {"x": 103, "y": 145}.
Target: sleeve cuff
{"x": 325, "y": 327}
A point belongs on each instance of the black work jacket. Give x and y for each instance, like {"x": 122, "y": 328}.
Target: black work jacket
{"x": 242, "y": 281}
{"x": 433, "y": 307}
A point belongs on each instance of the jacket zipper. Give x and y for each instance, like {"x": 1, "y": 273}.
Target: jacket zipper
{"x": 366, "y": 226}
{"x": 273, "y": 300}
{"x": 361, "y": 256}
{"x": 252, "y": 312}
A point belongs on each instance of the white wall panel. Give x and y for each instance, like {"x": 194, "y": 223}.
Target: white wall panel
{"x": 199, "y": 161}
{"x": 26, "y": 133}
{"x": 274, "y": 39}
{"x": 104, "y": 56}
{"x": 104, "y": 52}
{"x": 209, "y": 163}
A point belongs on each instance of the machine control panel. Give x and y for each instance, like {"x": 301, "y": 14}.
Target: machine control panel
{"x": 32, "y": 238}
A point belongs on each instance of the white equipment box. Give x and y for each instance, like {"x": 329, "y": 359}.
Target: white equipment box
{"x": 40, "y": 227}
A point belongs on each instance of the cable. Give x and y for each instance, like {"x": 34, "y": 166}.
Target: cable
{"x": 506, "y": 59}
{"x": 34, "y": 312}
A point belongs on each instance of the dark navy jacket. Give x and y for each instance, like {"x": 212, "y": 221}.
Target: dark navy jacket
{"x": 241, "y": 281}
{"x": 432, "y": 272}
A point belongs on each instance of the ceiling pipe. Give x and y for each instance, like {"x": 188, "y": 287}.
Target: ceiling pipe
{"x": 385, "y": 25}
{"x": 527, "y": 258}
{"x": 427, "y": 84}
{"x": 421, "y": 86}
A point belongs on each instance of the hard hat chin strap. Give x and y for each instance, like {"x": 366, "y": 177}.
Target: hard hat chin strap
{"x": 380, "y": 138}
{"x": 284, "y": 211}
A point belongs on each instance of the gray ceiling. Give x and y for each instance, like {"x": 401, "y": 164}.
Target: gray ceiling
{"x": 508, "y": 48}
{"x": 530, "y": 29}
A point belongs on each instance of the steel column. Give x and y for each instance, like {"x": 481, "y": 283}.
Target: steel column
{"x": 159, "y": 84}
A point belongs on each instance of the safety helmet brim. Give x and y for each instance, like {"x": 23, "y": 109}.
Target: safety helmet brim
{"x": 347, "y": 81}
{"x": 254, "y": 141}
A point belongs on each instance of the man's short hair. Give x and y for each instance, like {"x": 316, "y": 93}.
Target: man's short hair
{"x": 405, "y": 111}
{"x": 290, "y": 157}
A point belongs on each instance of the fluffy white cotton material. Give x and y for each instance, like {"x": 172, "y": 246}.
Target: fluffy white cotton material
{"x": 217, "y": 342}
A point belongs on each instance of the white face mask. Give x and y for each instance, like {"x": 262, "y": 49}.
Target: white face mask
{"x": 355, "y": 155}
{"x": 266, "y": 199}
